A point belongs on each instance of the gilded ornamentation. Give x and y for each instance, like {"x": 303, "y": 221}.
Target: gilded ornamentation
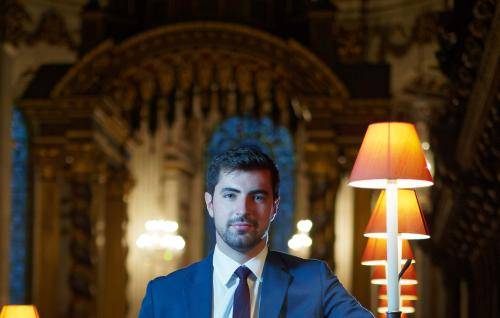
{"x": 52, "y": 29}
{"x": 166, "y": 80}
{"x": 224, "y": 75}
{"x": 172, "y": 41}
{"x": 350, "y": 43}
{"x": 46, "y": 159}
{"x": 205, "y": 76}
{"x": 16, "y": 24}
{"x": 395, "y": 41}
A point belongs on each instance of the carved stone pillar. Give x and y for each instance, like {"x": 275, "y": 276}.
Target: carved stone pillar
{"x": 114, "y": 273}
{"x": 97, "y": 272}
{"x": 46, "y": 226}
{"x": 5, "y": 171}
{"x": 82, "y": 274}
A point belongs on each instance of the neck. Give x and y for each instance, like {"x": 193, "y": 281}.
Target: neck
{"x": 240, "y": 256}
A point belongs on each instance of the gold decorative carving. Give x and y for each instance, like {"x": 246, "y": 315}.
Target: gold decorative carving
{"x": 351, "y": 43}
{"x": 170, "y": 42}
{"x": 395, "y": 41}
{"x": 16, "y": 24}
{"x": 52, "y": 29}
{"x": 48, "y": 161}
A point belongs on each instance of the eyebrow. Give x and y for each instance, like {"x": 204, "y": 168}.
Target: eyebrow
{"x": 230, "y": 189}
{"x": 258, "y": 191}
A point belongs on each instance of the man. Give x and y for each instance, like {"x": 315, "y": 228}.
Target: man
{"x": 242, "y": 278}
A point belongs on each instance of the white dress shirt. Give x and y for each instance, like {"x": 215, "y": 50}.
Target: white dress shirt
{"x": 225, "y": 283}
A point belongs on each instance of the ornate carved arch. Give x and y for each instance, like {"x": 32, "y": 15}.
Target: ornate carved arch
{"x": 242, "y": 69}
{"x": 190, "y": 42}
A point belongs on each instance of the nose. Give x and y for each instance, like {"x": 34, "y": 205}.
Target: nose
{"x": 246, "y": 205}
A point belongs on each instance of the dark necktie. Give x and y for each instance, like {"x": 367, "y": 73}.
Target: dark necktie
{"x": 241, "y": 302}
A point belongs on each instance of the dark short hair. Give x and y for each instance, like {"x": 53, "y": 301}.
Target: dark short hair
{"x": 241, "y": 158}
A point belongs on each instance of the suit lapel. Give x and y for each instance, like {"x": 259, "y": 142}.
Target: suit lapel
{"x": 276, "y": 280}
{"x": 198, "y": 289}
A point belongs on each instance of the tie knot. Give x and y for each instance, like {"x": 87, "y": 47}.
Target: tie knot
{"x": 242, "y": 272}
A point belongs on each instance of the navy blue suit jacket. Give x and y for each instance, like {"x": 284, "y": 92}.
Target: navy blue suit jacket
{"x": 291, "y": 287}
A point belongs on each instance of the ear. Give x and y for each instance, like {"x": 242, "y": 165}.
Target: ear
{"x": 276, "y": 204}
{"x": 210, "y": 204}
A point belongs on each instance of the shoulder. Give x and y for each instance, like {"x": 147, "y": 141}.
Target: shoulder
{"x": 294, "y": 263}
{"x": 177, "y": 278}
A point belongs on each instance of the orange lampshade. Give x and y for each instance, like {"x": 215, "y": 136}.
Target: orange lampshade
{"x": 390, "y": 151}
{"x": 19, "y": 311}
{"x": 409, "y": 277}
{"x": 384, "y": 315}
{"x": 407, "y": 306}
{"x": 411, "y": 221}
{"x": 376, "y": 252}
{"x": 408, "y": 292}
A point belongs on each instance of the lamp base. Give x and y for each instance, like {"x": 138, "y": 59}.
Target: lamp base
{"x": 394, "y": 314}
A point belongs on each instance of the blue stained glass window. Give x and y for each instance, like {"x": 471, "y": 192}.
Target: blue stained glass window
{"x": 19, "y": 216}
{"x": 277, "y": 142}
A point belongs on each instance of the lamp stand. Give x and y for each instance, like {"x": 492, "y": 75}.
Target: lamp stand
{"x": 393, "y": 262}
{"x": 394, "y": 314}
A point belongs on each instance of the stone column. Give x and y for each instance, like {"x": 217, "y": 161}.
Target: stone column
{"x": 85, "y": 212}
{"x": 46, "y": 226}
{"x": 97, "y": 260}
{"x": 114, "y": 273}
{"x": 5, "y": 172}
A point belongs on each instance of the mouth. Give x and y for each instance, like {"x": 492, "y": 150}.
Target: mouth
{"x": 242, "y": 226}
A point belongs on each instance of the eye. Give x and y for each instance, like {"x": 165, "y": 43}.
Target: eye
{"x": 259, "y": 198}
{"x": 229, "y": 195}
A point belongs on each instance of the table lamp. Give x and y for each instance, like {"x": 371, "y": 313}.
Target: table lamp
{"x": 379, "y": 276}
{"x": 19, "y": 311}
{"x": 411, "y": 221}
{"x": 375, "y": 252}
{"x": 391, "y": 158}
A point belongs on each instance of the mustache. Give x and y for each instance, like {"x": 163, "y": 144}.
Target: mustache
{"x": 242, "y": 219}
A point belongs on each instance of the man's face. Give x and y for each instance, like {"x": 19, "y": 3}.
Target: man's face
{"x": 242, "y": 207}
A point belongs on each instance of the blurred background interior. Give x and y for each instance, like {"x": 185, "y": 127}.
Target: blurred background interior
{"x": 110, "y": 110}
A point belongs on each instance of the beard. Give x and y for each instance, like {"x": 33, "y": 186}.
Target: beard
{"x": 241, "y": 240}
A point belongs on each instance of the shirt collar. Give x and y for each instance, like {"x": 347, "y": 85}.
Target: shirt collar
{"x": 224, "y": 266}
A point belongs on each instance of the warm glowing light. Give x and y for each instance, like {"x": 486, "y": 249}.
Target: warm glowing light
{"x": 376, "y": 252}
{"x": 304, "y": 226}
{"x": 19, "y": 311}
{"x": 299, "y": 241}
{"x": 160, "y": 242}
{"x": 411, "y": 221}
{"x": 161, "y": 235}
{"x": 379, "y": 276}
{"x": 408, "y": 292}
{"x": 384, "y": 315}
{"x": 407, "y": 306}
{"x": 390, "y": 152}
